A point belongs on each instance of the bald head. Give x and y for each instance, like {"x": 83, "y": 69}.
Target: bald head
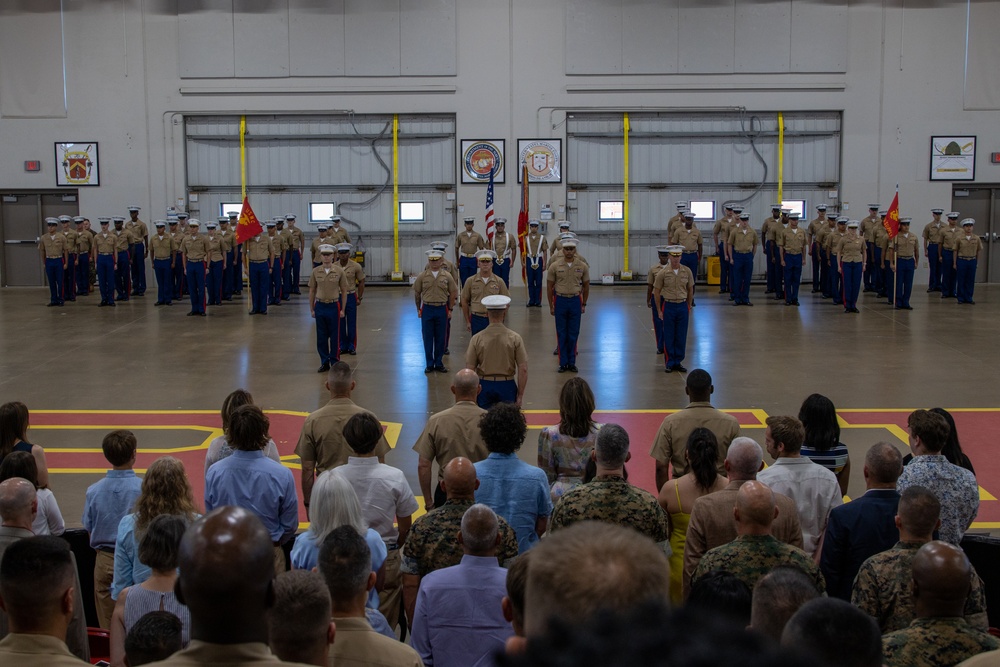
{"x": 942, "y": 577}
{"x": 480, "y": 530}
{"x": 460, "y": 479}
{"x": 465, "y": 385}
{"x": 755, "y": 509}
{"x": 744, "y": 458}
{"x": 17, "y": 501}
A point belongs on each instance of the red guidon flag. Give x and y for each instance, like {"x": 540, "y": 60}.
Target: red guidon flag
{"x": 248, "y": 226}
{"x": 522, "y": 216}
{"x": 892, "y": 217}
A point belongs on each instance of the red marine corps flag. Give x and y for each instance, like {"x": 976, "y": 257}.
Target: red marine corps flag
{"x": 248, "y": 226}
{"x": 522, "y": 217}
{"x": 892, "y": 217}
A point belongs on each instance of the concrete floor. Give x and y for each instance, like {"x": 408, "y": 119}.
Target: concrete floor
{"x": 137, "y": 357}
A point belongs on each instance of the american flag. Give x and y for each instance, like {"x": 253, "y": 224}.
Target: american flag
{"x": 490, "y": 225}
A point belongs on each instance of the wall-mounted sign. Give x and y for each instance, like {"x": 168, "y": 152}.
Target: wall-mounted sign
{"x": 953, "y": 158}
{"x": 479, "y": 157}
{"x": 77, "y": 164}
{"x": 543, "y": 157}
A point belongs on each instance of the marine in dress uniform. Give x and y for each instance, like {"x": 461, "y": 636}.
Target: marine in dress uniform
{"x": 195, "y": 250}
{"x": 720, "y": 232}
{"x": 484, "y": 283}
{"x": 230, "y": 271}
{"x": 792, "y": 243}
{"x": 107, "y": 260}
{"x": 677, "y": 221}
{"x": 337, "y": 233}
{"x": 467, "y": 244}
{"x": 260, "y": 256}
{"x": 767, "y": 237}
{"x": 673, "y": 292}
{"x": 52, "y": 247}
{"x": 967, "y": 249}
{"x": 278, "y": 251}
{"x": 179, "y": 232}
{"x": 868, "y": 230}
{"x": 740, "y": 249}
{"x": 568, "y": 288}
{"x": 451, "y": 268}
{"x": 932, "y": 243}
{"x": 237, "y": 255}
{"x": 906, "y": 256}
{"x": 851, "y": 260}
{"x": 84, "y": 257}
{"x": 882, "y": 248}
{"x": 822, "y": 245}
{"x": 434, "y": 293}
{"x": 949, "y": 236}
{"x": 286, "y": 259}
{"x": 836, "y": 279}
{"x": 327, "y": 294}
{"x": 664, "y": 259}
{"x": 504, "y": 244}
{"x": 536, "y": 249}
{"x": 689, "y": 237}
{"x": 123, "y": 268}
{"x": 216, "y": 264}
{"x": 355, "y": 275}
{"x": 163, "y": 247}
{"x": 812, "y": 231}
{"x": 297, "y": 244}
{"x": 69, "y": 275}
{"x": 140, "y": 249}
{"x": 499, "y": 357}
{"x": 555, "y": 250}
{"x": 322, "y": 239}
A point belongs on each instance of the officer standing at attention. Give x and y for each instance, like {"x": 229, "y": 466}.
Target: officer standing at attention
{"x": 851, "y": 259}
{"x": 467, "y": 244}
{"x": 322, "y": 239}
{"x": 536, "y": 249}
{"x": 69, "y": 275}
{"x": 434, "y": 293}
{"x": 836, "y": 279}
{"x": 884, "y": 269}
{"x": 675, "y": 223}
{"x": 664, "y": 258}
{"x": 327, "y": 294}
{"x": 932, "y": 242}
{"x": 555, "y": 250}
{"x": 123, "y": 268}
{"x": 140, "y": 250}
{"x": 286, "y": 259}
{"x": 355, "y": 291}
{"x": 812, "y": 231}
{"x": 237, "y": 265}
{"x": 107, "y": 261}
{"x": 568, "y": 288}
{"x": 216, "y": 264}
{"x": 230, "y": 271}
{"x": 195, "y": 252}
{"x": 967, "y": 249}
{"x": 868, "y": 231}
{"x": 906, "y": 255}
{"x": 498, "y": 355}
{"x": 673, "y": 292}
{"x": 260, "y": 256}
{"x": 689, "y": 237}
{"x": 740, "y": 249}
{"x": 767, "y": 237}
{"x": 949, "y": 237}
{"x": 451, "y": 268}
{"x": 505, "y": 246}
{"x": 482, "y": 284}
{"x": 163, "y": 248}
{"x": 792, "y": 247}
{"x": 822, "y": 243}
{"x": 84, "y": 257}
{"x": 52, "y": 247}
{"x": 337, "y": 233}
{"x": 297, "y": 243}
{"x": 719, "y": 235}
{"x": 278, "y": 254}
{"x": 180, "y": 280}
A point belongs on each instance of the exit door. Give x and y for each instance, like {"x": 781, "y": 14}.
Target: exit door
{"x": 22, "y": 222}
{"x": 981, "y": 204}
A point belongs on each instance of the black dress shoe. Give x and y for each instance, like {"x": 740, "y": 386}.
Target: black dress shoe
{"x": 748, "y": 303}
{"x": 202, "y": 314}
{"x": 441, "y": 369}
{"x": 353, "y": 352}
{"x": 668, "y": 369}
{"x": 446, "y": 351}
{"x": 323, "y": 369}
{"x": 158, "y": 303}
{"x": 429, "y": 369}
{"x": 971, "y": 302}
{"x": 680, "y": 369}
{"x": 572, "y": 368}
{"x": 191, "y": 313}
{"x": 563, "y": 369}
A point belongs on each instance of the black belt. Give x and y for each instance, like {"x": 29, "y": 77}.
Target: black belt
{"x": 56, "y": 257}
{"x": 106, "y": 550}
{"x": 964, "y": 257}
{"x": 258, "y": 261}
{"x": 672, "y": 301}
{"x": 106, "y": 253}
{"x": 333, "y": 301}
{"x": 567, "y": 296}
{"x": 435, "y": 304}
{"x": 498, "y": 378}
{"x": 690, "y": 252}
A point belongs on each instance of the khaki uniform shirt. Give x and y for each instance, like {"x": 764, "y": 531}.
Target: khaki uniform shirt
{"x": 673, "y": 285}
{"x": 452, "y": 433}
{"x": 26, "y": 650}
{"x": 815, "y": 225}
{"x": 314, "y": 247}
{"x": 469, "y": 242}
{"x": 322, "y": 439}
{"x": 823, "y": 236}
{"x": 833, "y": 241}
{"x": 968, "y": 247}
{"x": 793, "y": 241}
{"x": 770, "y": 228}
{"x": 535, "y": 246}
{"x": 54, "y": 245}
{"x": 496, "y": 351}
{"x": 71, "y": 241}
{"x": 278, "y": 246}
{"x": 851, "y": 249}
{"x": 123, "y": 239}
{"x": 689, "y": 238}
{"x": 328, "y": 284}
{"x": 138, "y": 230}
{"x": 882, "y": 239}
{"x": 195, "y": 248}
{"x": 568, "y": 278}
{"x": 868, "y": 225}
{"x": 721, "y": 229}
{"x": 502, "y": 245}
{"x": 906, "y": 245}
{"x": 258, "y": 248}
{"x": 297, "y": 238}
{"x": 338, "y": 235}
{"x": 358, "y": 645}
{"x": 162, "y": 247}
{"x": 105, "y": 244}
{"x": 228, "y": 239}
{"x": 742, "y": 240}
{"x": 355, "y": 274}
{"x": 198, "y": 653}
{"x": 653, "y": 272}
{"x": 84, "y": 242}
{"x": 177, "y": 237}
{"x": 437, "y": 289}
{"x": 675, "y": 429}
{"x": 476, "y": 288}
{"x": 932, "y": 232}
{"x": 216, "y": 251}
{"x": 949, "y": 235}
{"x": 286, "y": 237}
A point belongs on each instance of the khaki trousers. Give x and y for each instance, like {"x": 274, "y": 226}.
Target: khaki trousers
{"x": 104, "y": 573}
{"x": 391, "y": 597}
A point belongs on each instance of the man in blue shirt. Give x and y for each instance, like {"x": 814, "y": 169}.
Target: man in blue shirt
{"x": 517, "y": 491}
{"x": 250, "y": 480}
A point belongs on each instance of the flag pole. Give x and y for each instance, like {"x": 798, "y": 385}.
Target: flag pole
{"x": 245, "y": 268}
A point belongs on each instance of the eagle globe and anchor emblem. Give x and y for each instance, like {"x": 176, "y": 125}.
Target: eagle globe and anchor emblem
{"x": 76, "y": 164}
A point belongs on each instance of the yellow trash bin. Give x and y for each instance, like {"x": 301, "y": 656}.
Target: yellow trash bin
{"x": 713, "y": 270}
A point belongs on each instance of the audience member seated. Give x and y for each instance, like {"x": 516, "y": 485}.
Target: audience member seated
{"x": 165, "y": 490}
{"x": 220, "y": 448}
{"x": 300, "y": 628}
{"x": 37, "y": 581}
{"x": 345, "y": 563}
{"x": 565, "y": 448}
{"x": 702, "y": 478}
{"x": 249, "y": 479}
{"x": 722, "y": 594}
{"x": 955, "y": 487}
{"x": 155, "y": 636}
{"x": 755, "y": 552}
{"x": 776, "y": 597}
{"x": 712, "y": 524}
{"x": 433, "y": 541}
{"x": 14, "y": 422}
{"x": 865, "y": 526}
{"x": 459, "y": 613}
{"x": 48, "y": 518}
{"x": 938, "y": 636}
{"x": 17, "y": 512}
{"x": 813, "y": 488}
{"x": 157, "y": 549}
{"x": 515, "y": 490}
{"x": 609, "y": 498}
{"x": 884, "y": 585}
{"x": 822, "y": 443}
{"x": 226, "y": 580}
{"x": 833, "y": 633}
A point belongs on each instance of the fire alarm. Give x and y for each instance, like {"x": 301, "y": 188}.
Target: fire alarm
{"x": 995, "y": 158}
{"x": 36, "y": 165}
